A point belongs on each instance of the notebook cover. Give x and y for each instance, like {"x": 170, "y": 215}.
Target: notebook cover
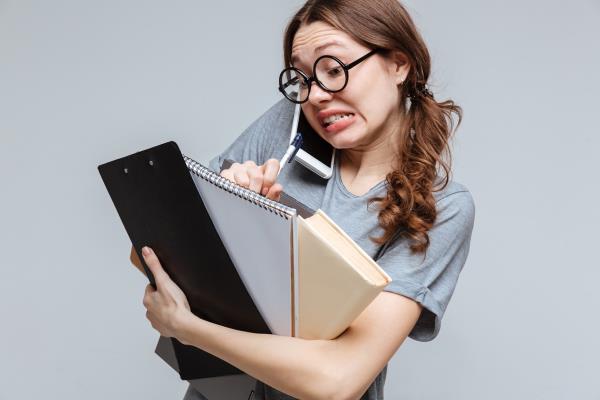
{"x": 333, "y": 292}
{"x": 159, "y": 206}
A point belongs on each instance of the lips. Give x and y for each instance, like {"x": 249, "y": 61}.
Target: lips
{"x": 340, "y": 124}
{"x": 332, "y": 116}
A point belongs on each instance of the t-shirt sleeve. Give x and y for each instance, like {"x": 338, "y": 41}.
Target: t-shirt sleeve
{"x": 262, "y": 140}
{"x": 430, "y": 278}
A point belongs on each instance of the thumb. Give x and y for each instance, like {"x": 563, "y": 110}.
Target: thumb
{"x": 160, "y": 276}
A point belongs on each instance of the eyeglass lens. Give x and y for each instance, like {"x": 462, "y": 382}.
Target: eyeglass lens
{"x": 290, "y": 83}
{"x": 328, "y": 71}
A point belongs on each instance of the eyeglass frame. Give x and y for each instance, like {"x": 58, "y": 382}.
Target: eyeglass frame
{"x": 310, "y": 79}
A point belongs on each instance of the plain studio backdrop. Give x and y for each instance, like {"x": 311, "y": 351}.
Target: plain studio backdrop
{"x": 83, "y": 82}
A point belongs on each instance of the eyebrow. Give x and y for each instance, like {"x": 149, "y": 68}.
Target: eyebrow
{"x": 322, "y": 47}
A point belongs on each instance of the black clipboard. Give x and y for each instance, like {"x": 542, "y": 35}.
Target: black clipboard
{"x": 159, "y": 206}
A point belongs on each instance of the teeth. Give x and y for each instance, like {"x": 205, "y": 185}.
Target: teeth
{"x": 333, "y": 118}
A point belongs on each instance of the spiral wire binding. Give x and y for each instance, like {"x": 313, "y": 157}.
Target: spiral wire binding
{"x": 246, "y": 194}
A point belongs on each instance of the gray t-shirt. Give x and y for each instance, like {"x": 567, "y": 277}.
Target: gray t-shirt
{"x": 428, "y": 279}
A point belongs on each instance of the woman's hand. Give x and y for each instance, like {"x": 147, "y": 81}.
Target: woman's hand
{"x": 258, "y": 178}
{"x": 167, "y": 307}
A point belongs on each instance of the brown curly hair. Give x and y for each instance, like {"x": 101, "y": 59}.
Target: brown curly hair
{"x": 408, "y": 209}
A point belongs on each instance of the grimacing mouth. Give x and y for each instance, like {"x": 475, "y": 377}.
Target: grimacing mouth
{"x": 325, "y": 122}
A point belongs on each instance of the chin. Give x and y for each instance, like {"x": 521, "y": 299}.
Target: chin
{"x": 346, "y": 139}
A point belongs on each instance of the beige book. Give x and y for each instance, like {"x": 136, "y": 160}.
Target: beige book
{"x": 337, "y": 279}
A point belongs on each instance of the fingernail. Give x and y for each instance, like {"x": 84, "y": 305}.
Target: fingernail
{"x": 145, "y": 251}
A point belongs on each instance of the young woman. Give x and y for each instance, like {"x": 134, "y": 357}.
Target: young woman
{"x": 390, "y": 187}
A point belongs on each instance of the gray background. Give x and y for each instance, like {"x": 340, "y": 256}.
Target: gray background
{"x": 84, "y": 82}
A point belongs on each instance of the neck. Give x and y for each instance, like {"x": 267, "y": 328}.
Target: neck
{"x": 372, "y": 162}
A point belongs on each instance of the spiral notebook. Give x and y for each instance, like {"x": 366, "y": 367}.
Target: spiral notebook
{"x": 258, "y": 234}
{"x": 242, "y": 260}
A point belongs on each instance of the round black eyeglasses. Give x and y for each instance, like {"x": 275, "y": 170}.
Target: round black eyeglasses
{"x": 329, "y": 72}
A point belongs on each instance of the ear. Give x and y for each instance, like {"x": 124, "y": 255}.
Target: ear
{"x": 398, "y": 66}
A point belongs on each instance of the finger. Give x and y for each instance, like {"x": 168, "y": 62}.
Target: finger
{"x": 150, "y": 317}
{"x": 274, "y": 192}
{"x": 256, "y": 179}
{"x": 271, "y": 170}
{"x": 228, "y": 174}
{"x": 148, "y": 295}
{"x": 160, "y": 276}
{"x": 157, "y": 325}
{"x": 240, "y": 177}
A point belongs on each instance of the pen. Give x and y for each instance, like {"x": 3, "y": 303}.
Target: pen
{"x": 291, "y": 151}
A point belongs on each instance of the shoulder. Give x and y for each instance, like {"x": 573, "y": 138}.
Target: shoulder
{"x": 452, "y": 188}
{"x": 267, "y": 137}
{"x": 274, "y": 125}
{"x": 279, "y": 114}
{"x": 454, "y": 200}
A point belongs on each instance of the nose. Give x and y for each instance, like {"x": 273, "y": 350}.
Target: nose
{"x": 318, "y": 95}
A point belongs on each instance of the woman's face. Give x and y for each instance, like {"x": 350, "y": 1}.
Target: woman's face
{"x": 368, "y": 105}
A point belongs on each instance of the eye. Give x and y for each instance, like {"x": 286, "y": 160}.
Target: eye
{"x": 335, "y": 71}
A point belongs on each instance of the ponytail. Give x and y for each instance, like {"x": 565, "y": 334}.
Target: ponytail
{"x": 409, "y": 202}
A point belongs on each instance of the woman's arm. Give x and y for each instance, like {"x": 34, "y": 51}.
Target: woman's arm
{"x": 342, "y": 368}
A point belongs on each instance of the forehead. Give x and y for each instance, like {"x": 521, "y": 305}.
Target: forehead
{"x": 313, "y": 38}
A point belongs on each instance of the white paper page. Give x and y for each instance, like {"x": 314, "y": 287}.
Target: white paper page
{"x": 259, "y": 244}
